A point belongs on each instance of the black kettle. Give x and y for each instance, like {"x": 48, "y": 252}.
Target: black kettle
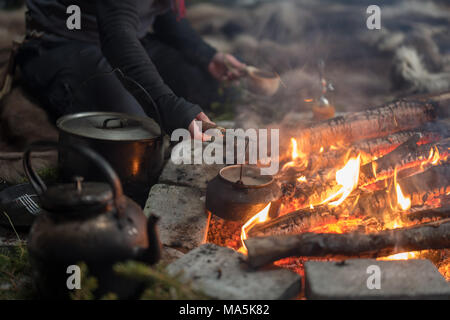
{"x": 89, "y": 222}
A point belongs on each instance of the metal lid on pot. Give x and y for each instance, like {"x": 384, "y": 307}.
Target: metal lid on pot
{"x": 77, "y": 198}
{"x": 111, "y": 126}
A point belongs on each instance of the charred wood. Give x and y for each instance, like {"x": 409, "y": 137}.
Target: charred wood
{"x": 433, "y": 235}
{"x": 427, "y": 212}
{"x": 407, "y": 156}
{"x": 378, "y": 122}
{"x": 430, "y": 187}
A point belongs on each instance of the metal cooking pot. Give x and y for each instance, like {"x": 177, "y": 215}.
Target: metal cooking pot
{"x": 88, "y": 222}
{"x": 237, "y": 197}
{"x": 133, "y": 146}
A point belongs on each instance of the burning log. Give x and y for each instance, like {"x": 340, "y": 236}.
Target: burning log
{"x": 428, "y": 187}
{"x": 378, "y": 122}
{"x": 434, "y": 235}
{"x": 371, "y": 149}
{"x": 407, "y": 156}
{"x": 408, "y": 159}
{"x": 428, "y": 213}
{"x": 300, "y": 220}
{"x": 379, "y": 147}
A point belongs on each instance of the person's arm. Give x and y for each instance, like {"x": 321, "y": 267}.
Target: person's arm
{"x": 117, "y": 23}
{"x": 179, "y": 34}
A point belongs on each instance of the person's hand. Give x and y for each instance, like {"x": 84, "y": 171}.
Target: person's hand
{"x": 224, "y": 66}
{"x": 194, "y": 128}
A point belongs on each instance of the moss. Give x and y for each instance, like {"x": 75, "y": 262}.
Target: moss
{"x": 88, "y": 285}
{"x": 15, "y": 274}
{"x": 48, "y": 175}
{"x": 159, "y": 285}
{"x": 16, "y": 283}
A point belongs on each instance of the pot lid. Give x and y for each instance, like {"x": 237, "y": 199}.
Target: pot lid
{"x": 111, "y": 126}
{"x": 251, "y": 176}
{"x": 77, "y": 198}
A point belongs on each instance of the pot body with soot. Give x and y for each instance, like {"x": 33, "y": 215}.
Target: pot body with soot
{"x": 238, "y": 196}
{"x": 132, "y": 145}
{"x": 87, "y": 222}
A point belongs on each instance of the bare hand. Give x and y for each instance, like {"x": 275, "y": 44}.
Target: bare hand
{"x": 195, "y": 130}
{"x": 224, "y": 67}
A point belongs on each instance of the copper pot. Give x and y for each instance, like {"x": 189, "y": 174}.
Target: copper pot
{"x": 234, "y": 197}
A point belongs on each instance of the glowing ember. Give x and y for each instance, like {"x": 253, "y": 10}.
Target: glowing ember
{"x": 347, "y": 178}
{"x": 260, "y": 217}
{"x": 301, "y": 179}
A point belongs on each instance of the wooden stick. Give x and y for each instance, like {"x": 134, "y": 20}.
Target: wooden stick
{"x": 433, "y": 235}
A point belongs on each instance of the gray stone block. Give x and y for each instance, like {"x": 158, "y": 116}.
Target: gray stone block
{"x": 405, "y": 279}
{"x": 222, "y": 273}
{"x": 191, "y": 175}
{"x": 169, "y": 255}
{"x": 181, "y": 170}
{"x": 183, "y": 220}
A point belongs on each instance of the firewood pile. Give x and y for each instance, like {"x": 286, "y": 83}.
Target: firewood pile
{"x": 398, "y": 203}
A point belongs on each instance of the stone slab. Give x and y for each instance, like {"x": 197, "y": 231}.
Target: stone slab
{"x": 181, "y": 169}
{"x": 222, "y": 273}
{"x": 169, "y": 255}
{"x": 403, "y": 279}
{"x": 183, "y": 220}
{"x": 191, "y": 175}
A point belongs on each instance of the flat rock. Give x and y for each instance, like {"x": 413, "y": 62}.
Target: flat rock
{"x": 182, "y": 170}
{"x": 169, "y": 255}
{"x": 222, "y": 273}
{"x": 408, "y": 279}
{"x": 183, "y": 220}
{"x": 191, "y": 175}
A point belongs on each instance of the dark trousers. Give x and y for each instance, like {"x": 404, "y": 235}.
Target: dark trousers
{"x": 68, "y": 76}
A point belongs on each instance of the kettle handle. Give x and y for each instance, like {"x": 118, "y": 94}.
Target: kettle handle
{"x": 38, "y": 184}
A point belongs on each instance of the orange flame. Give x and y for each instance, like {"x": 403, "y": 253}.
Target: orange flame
{"x": 301, "y": 179}
{"x": 298, "y": 158}
{"x": 434, "y": 156}
{"x": 347, "y": 178}
{"x": 401, "y": 256}
{"x": 294, "y": 149}
{"x": 260, "y": 217}
{"x": 402, "y": 201}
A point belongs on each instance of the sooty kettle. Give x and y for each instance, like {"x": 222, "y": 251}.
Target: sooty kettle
{"x": 89, "y": 222}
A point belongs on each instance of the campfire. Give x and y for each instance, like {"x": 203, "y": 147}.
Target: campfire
{"x": 368, "y": 184}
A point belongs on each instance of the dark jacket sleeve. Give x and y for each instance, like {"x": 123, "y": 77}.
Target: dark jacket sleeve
{"x": 180, "y": 34}
{"x": 117, "y": 22}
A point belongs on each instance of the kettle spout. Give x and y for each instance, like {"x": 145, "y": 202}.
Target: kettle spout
{"x": 152, "y": 253}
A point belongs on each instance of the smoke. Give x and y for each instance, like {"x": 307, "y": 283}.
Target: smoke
{"x": 290, "y": 36}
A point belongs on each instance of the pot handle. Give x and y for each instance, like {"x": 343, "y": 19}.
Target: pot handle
{"x": 39, "y": 186}
{"x": 106, "y": 121}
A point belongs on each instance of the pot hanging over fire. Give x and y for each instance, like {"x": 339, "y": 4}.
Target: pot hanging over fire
{"x": 239, "y": 192}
